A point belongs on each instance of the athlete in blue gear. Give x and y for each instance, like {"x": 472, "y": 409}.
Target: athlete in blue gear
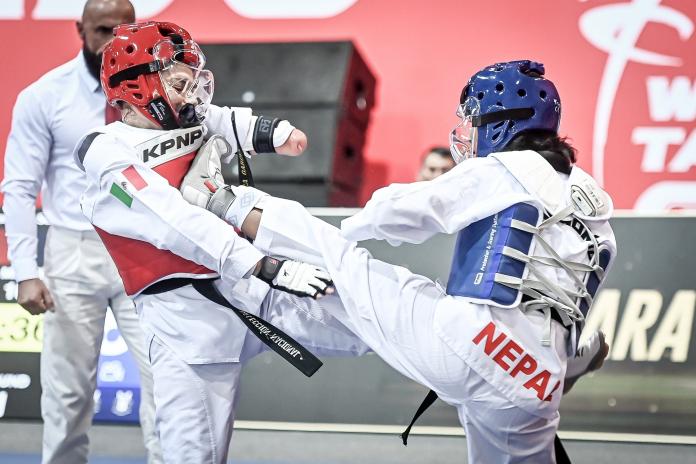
{"x": 534, "y": 244}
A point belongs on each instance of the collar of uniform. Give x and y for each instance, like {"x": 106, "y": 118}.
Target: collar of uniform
{"x": 87, "y": 78}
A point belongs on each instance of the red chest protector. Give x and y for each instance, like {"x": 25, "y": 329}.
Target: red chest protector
{"x": 139, "y": 263}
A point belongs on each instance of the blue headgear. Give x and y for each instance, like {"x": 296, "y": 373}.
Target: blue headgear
{"x": 512, "y": 97}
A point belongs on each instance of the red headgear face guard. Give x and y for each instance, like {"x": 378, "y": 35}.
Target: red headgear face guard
{"x": 156, "y": 67}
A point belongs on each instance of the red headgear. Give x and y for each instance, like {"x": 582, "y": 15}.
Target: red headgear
{"x": 138, "y": 67}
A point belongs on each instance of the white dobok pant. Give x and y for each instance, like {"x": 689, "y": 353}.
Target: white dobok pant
{"x": 84, "y": 281}
{"x": 195, "y": 402}
{"x": 401, "y": 315}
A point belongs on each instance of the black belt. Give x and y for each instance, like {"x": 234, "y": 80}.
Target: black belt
{"x": 274, "y": 338}
{"x": 170, "y": 284}
{"x": 560, "y": 452}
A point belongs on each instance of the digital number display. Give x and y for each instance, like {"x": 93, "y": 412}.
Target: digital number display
{"x": 19, "y": 330}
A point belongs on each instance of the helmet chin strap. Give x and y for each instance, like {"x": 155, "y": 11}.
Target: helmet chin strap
{"x": 160, "y": 110}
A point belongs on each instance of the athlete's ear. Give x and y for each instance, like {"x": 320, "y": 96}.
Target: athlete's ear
{"x": 129, "y": 114}
{"x": 126, "y": 110}
{"x": 80, "y": 30}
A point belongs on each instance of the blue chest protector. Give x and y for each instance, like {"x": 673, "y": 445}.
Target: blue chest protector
{"x": 492, "y": 265}
{"x": 480, "y": 255}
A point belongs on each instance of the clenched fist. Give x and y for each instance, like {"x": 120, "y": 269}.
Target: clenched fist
{"x": 34, "y": 296}
{"x": 294, "y": 277}
{"x": 294, "y": 145}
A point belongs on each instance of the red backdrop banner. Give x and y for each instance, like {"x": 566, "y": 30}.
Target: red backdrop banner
{"x": 626, "y": 71}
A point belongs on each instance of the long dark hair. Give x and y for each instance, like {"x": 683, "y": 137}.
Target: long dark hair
{"x": 556, "y": 150}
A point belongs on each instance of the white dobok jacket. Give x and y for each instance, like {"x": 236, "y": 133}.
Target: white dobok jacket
{"x": 530, "y": 239}
{"x": 153, "y": 234}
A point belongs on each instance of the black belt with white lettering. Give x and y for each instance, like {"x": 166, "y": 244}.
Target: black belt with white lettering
{"x": 274, "y": 338}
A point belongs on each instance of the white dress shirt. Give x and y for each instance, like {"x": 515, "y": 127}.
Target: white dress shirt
{"x": 48, "y": 119}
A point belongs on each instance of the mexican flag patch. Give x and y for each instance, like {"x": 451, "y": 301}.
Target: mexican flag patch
{"x": 132, "y": 178}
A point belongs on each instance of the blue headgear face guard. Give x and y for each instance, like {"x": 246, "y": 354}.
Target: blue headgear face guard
{"x": 463, "y": 137}
{"x": 513, "y": 97}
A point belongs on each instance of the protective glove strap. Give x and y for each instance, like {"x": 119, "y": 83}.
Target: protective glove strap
{"x": 269, "y": 269}
{"x": 221, "y": 201}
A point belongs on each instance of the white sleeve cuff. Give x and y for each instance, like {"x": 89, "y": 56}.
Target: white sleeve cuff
{"x": 240, "y": 262}
{"x": 25, "y": 269}
{"x": 247, "y": 142}
{"x": 247, "y": 199}
{"x": 282, "y": 132}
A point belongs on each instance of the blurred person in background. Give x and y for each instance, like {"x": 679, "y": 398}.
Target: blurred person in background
{"x": 436, "y": 162}
{"x": 80, "y": 280}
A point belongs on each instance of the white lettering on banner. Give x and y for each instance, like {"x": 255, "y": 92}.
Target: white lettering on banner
{"x": 615, "y": 29}
{"x": 668, "y": 100}
{"x": 284, "y": 9}
{"x": 671, "y": 100}
{"x": 111, "y": 371}
{"x": 16, "y": 381}
{"x": 11, "y": 9}
{"x": 679, "y": 193}
{"x": 656, "y": 140}
{"x": 3, "y": 403}
{"x": 10, "y": 288}
{"x": 686, "y": 156}
{"x": 72, "y": 9}
{"x": 123, "y": 403}
{"x": 253, "y": 9}
{"x": 642, "y": 313}
{"x": 675, "y": 328}
{"x": 7, "y": 273}
{"x": 97, "y": 401}
{"x": 603, "y": 316}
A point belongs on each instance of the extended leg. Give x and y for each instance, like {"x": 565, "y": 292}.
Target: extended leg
{"x": 391, "y": 309}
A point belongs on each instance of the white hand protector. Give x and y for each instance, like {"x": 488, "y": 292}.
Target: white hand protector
{"x": 590, "y": 357}
{"x": 204, "y": 185}
{"x": 294, "y": 277}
